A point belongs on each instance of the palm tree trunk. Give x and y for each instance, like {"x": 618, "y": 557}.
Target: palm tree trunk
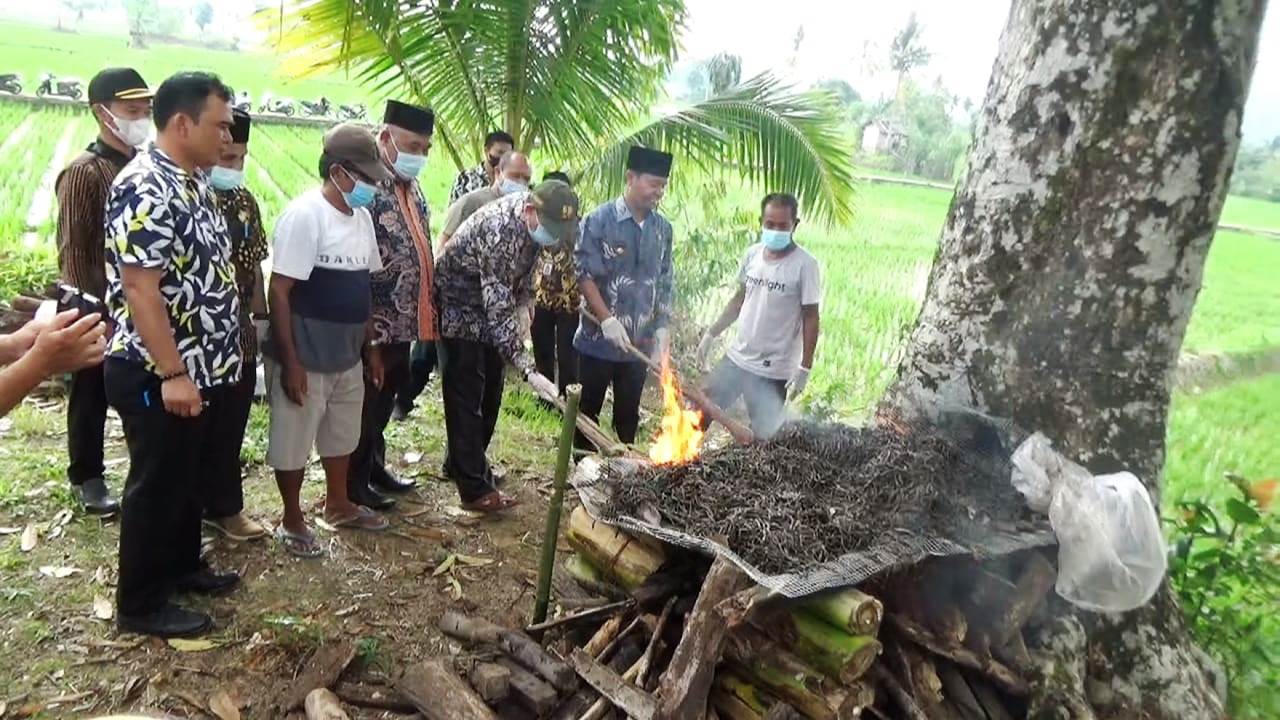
{"x": 1067, "y": 270}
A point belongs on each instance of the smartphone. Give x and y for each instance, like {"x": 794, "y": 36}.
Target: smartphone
{"x": 70, "y": 297}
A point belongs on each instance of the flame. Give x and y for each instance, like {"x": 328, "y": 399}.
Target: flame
{"x": 681, "y": 435}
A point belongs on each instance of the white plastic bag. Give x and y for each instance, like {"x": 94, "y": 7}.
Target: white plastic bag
{"x": 1111, "y": 553}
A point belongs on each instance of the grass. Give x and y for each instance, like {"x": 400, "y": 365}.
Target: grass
{"x": 1232, "y": 428}
{"x": 1251, "y": 212}
{"x": 33, "y": 50}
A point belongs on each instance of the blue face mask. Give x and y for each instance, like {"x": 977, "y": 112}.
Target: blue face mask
{"x": 543, "y": 236}
{"x": 222, "y": 178}
{"x": 775, "y": 239}
{"x": 361, "y": 195}
{"x": 507, "y": 187}
{"x": 407, "y": 166}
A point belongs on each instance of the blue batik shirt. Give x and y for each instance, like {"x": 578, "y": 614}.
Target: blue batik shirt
{"x": 631, "y": 264}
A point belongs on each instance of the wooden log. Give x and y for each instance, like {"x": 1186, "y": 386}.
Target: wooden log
{"x": 683, "y": 689}
{"x": 834, "y": 652}
{"x": 731, "y": 707}
{"x": 322, "y": 704}
{"x": 744, "y": 605}
{"x": 515, "y": 644}
{"x": 627, "y": 697}
{"x": 850, "y": 609}
{"x": 576, "y": 704}
{"x": 948, "y": 621}
{"x": 758, "y": 658}
{"x": 615, "y": 554}
{"x": 782, "y": 711}
{"x": 373, "y": 698}
{"x": 323, "y": 669}
{"x": 655, "y": 638}
{"x": 958, "y": 692}
{"x": 1035, "y": 581}
{"x": 591, "y": 579}
{"x": 527, "y": 691}
{"x": 1014, "y": 654}
{"x": 925, "y": 682}
{"x": 492, "y": 681}
{"x": 602, "y": 706}
{"x": 729, "y": 682}
{"x": 1008, "y": 680}
{"x": 906, "y": 703}
{"x": 605, "y": 635}
{"x": 989, "y": 700}
{"x": 439, "y": 694}
{"x": 581, "y": 618}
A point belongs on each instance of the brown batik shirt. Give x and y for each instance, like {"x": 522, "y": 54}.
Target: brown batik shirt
{"x": 82, "y": 189}
{"x": 555, "y": 283}
{"x": 484, "y": 275}
{"x": 248, "y": 250}
{"x": 403, "y": 307}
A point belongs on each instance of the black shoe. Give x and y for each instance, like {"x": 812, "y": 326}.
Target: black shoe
{"x": 383, "y": 481}
{"x": 94, "y": 496}
{"x": 401, "y": 412}
{"x": 370, "y": 498}
{"x": 209, "y": 582}
{"x": 168, "y": 621}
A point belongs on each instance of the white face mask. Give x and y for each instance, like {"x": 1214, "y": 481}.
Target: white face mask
{"x": 131, "y": 132}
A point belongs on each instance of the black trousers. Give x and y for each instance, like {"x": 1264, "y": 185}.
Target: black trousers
{"x": 170, "y": 461}
{"x": 86, "y": 418}
{"x": 370, "y": 455}
{"x": 764, "y": 397}
{"x": 627, "y": 379}
{"x": 471, "y": 383}
{"x": 224, "y": 493}
{"x": 422, "y": 362}
{"x": 552, "y": 333}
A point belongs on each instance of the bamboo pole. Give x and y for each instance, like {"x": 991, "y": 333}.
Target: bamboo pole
{"x": 741, "y": 433}
{"x": 552, "y": 531}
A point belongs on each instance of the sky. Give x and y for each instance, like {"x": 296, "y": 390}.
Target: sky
{"x": 845, "y": 39}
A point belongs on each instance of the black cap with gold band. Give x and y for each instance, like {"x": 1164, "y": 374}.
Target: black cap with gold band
{"x": 118, "y": 84}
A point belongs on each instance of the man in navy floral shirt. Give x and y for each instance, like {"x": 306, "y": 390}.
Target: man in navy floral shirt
{"x": 172, "y": 296}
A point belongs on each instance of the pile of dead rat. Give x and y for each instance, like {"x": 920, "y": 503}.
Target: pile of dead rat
{"x": 898, "y": 570}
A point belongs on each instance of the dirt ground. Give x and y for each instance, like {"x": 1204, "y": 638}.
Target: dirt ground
{"x": 60, "y": 655}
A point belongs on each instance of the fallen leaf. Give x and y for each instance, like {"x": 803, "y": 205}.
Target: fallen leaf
{"x": 30, "y": 536}
{"x": 1263, "y": 492}
{"x": 221, "y": 704}
{"x": 412, "y": 458}
{"x": 445, "y": 566}
{"x": 102, "y": 608}
{"x": 347, "y": 610}
{"x": 100, "y": 576}
{"x": 58, "y": 571}
{"x": 455, "y": 588}
{"x": 473, "y": 561}
{"x": 191, "y": 645}
{"x": 321, "y": 523}
{"x": 10, "y": 530}
{"x": 415, "y": 513}
{"x": 54, "y": 533}
{"x": 62, "y": 517}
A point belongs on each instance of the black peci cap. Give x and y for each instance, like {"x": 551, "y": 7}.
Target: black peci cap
{"x": 648, "y": 161}
{"x": 409, "y": 117}
{"x": 240, "y": 128}
{"x": 114, "y": 84}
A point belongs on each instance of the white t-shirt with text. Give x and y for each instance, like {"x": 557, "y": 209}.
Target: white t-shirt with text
{"x": 769, "y": 341}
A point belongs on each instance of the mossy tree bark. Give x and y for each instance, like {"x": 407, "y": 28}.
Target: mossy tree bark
{"x": 1068, "y": 267}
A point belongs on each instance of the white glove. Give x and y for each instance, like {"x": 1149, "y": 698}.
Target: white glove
{"x": 263, "y": 329}
{"x": 661, "y": 343}
{"x": 798, "y": 380}
{"x": 543, "y": 387}
{"x": 614, "y": 332}
{"x": 702, "y": 356}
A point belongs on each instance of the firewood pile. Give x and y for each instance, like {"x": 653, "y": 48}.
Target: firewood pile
{"x": 668, "y": 634}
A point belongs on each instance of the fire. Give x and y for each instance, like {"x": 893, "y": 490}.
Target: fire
{"x": 681, "y": 435}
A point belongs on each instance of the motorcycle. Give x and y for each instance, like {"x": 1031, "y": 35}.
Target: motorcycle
{"x": 281, "y": 106}
{"x": 351, "y": 112}
{"x": 317, "y": 109}
{"x": 64, "y": 87}
{"x": 11, "y": 83}
{"x": 242, "y": 101}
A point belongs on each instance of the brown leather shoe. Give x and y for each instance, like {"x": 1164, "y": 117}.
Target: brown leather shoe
{"x": 237, "y": 527}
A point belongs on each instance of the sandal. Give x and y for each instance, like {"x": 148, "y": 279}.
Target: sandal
{"x": 299, "y": 544}
{"x": 362, "y": 519}
{"x": 491, "y": 503}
